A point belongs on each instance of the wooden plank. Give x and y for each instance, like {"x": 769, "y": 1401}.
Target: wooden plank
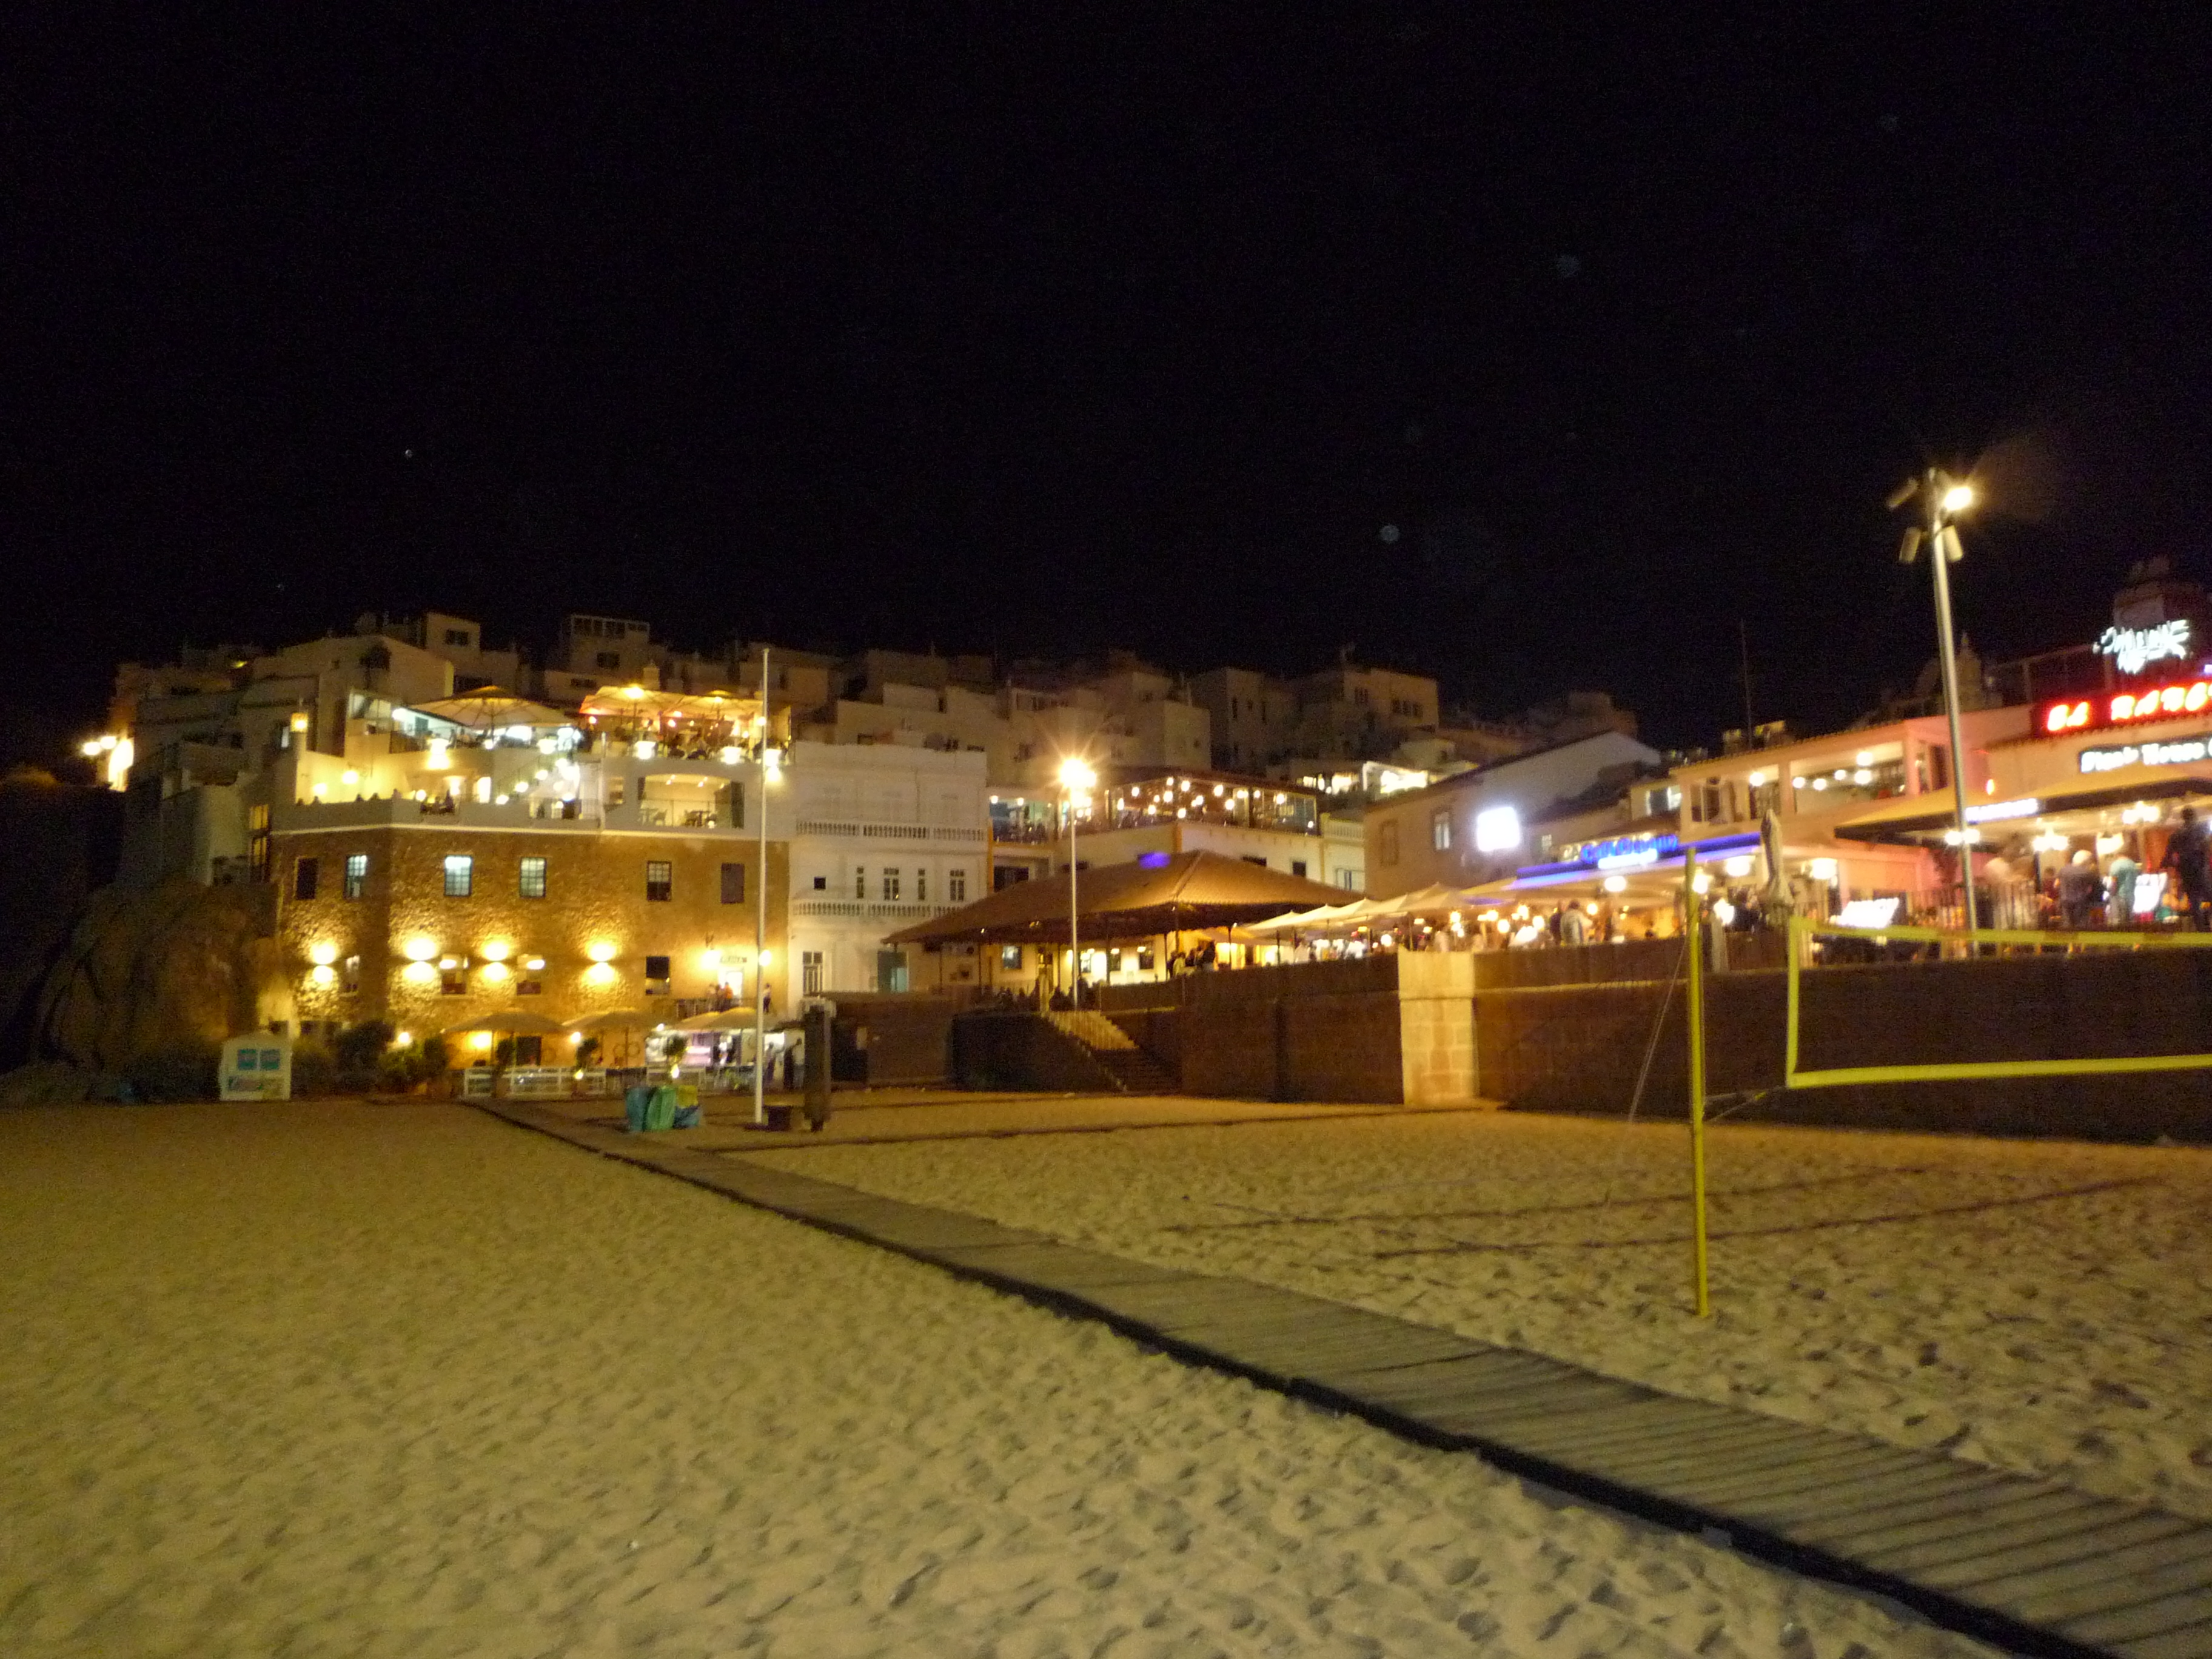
{"x": 2115, "y": 1578}
{"x": 1307, "y": 1361}
{"x": 2154, "y": 1618}
{"x": 1927, "y": 1526}
{"x": 1520, "y": 1429}
{"x": 1805, "y": 1484}
{"x": 2027, "y": 1558}
{"x": 1494, "y": 1387}
{"x": 1690, "y": 1440}
{"x": 2042, "y": 1536}
{"x": 1055, "y": 1267}
{"x": 1654, "y": 1424}
{"x": 1783, "y": 1446}
{"x": 1387, "y": 1385}
{"x": 2191, "y": 1641}
{"x": 1664, "y": 1468}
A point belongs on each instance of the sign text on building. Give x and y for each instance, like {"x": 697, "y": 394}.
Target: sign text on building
{"x": 2134, "y": 649}
{"x": 2158, "y": 702}
{"x": 2176, "y": 751}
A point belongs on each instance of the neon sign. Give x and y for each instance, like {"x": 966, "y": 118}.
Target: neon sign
{"x": 2136, "y": 648}
{"x": 2161, "y": 703}
{"x": 1622, "y": 852}
{"x": 2182, "y": 751}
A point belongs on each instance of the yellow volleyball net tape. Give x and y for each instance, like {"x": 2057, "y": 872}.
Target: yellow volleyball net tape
{"x": 1803, "y": 930}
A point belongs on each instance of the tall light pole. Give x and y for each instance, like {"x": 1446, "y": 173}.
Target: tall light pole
{"x": 1942, "y": 499}
{"x": 1075, "y": 777}
{"x": 760, "y": 921}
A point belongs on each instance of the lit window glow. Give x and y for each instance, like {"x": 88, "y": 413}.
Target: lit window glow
{"x": 1496, "y": 829}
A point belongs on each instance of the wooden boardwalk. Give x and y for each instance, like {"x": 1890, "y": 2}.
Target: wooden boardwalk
{"x": 2027, "y": 1565}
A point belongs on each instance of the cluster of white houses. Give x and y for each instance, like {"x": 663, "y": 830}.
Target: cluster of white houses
{"x": 447, "y": 830}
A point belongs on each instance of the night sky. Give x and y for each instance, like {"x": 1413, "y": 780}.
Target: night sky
{"x": 1531, "y": 352}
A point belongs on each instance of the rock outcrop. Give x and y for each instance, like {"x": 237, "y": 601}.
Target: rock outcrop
{"x": 156, "y": 971}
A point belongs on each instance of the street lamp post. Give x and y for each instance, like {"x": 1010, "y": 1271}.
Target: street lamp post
{"x": 1942, "y": 499}
{"x": 760, "y": 920}
{"x": 1075, "y": 777}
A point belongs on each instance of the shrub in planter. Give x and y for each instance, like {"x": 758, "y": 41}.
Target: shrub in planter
{"x": 314, "y": 1071}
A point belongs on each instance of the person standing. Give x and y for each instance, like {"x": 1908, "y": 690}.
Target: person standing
{"x": 1574, "y": 926}
{"x": 2080, "y": 891}
{"x": 2120, "y": 885}
{"x": 2189, "y": 857}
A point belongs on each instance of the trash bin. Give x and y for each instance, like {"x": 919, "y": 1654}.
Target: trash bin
{"x": 687, "y": 1106}
{"x": 636, "y": 1101}
{"x": 661, "y": 1111}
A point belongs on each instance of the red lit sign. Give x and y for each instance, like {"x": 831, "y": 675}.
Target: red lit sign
{"x": 2159, "y": 702}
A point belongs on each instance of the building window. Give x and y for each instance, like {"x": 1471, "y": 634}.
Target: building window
{"x": 349, "y": 974}
{"x": 956, "y": 886}
{"x": 529, "y": 988}
{"x": 1387, "y": 844}
{"x": 656, "y": 976}
{"x": 1440, "y": 830}
{"x": 1297, "y": 866}
{"x": 533, "y": 878}
{"x": 460, "y": 875}
{"x": 891, "y": 971}
{"x": 457, "y": 637}
{"x": 891, "y": 888}
{"x": 357, "y": 875}
{"x": 1010, "y": 955}
{"x": 921, "y": 887}
{"x": 610, "y": 660}
{"x": 810, "y": 972}
{"x": 453, "y": 983}
{"x": 305, "y": 875}
{"x": 734, "y": 883}
{"x": 821, "y": 884}
{"x": 257, "y": 842}
{"x": 860, "y": 883}
{"x": 660, "y": 884}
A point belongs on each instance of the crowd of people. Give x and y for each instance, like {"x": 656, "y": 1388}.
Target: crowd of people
{"x": 2085, "y": 890}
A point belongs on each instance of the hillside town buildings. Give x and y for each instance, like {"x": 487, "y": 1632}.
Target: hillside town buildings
{"x": 447, "y": 828}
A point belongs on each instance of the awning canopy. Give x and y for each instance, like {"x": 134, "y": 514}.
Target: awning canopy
{"x": 1912, "y": 816}
{"x": 639, "y": 703}
{"x": 512, "y": 1023}
{"x": 1425, "y": 902}
{"x": 1189, "y": 891}
{"x": 488, "y": 709}
{"x": 615, "y": 1019}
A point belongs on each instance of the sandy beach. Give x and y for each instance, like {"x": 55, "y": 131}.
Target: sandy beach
{"x": 399, "y": 1380}
{"x": 2041, "y": 1307}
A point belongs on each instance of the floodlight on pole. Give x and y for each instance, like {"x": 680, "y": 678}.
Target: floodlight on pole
{"x": 1943, "y": 498}
{"x": 1076, "y": 777}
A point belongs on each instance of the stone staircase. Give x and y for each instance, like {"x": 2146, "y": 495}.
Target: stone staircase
{"x": 1133, "y": 1071}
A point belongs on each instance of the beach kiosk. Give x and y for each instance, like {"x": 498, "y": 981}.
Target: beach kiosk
{"x": 257, "y": 1067}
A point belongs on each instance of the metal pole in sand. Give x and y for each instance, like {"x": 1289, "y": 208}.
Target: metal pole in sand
{"x": 1694, "y": 944}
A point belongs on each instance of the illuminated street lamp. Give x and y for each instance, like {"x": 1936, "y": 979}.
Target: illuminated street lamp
{"x": 1943, "y": 498}
{"x": 1076, "y": 777}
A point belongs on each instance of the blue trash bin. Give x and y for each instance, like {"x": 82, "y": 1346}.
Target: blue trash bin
{"x": 637, "y": 1101}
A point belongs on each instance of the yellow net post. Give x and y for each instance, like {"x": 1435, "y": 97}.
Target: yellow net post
{"x": 1694, "y": 943}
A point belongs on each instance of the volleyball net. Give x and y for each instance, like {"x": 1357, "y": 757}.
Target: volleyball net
{"x": 1803, "y": 931}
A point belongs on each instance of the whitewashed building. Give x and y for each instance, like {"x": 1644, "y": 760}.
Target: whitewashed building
{"x": 884, "y": 834}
